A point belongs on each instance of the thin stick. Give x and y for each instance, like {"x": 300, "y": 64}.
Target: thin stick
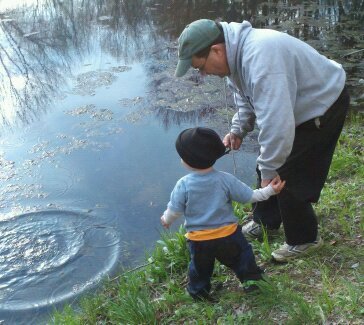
{"x": 354, "y": 52}
{"x": 131, "y": 270}
{"x": 229, "y": 124}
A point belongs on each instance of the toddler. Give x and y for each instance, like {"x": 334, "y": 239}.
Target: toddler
{"x": 204, "y": 197}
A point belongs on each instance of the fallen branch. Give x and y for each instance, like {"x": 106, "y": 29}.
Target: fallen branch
{"x": 132, "y": 270}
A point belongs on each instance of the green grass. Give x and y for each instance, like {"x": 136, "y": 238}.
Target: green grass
{"x": 324, "y": 288}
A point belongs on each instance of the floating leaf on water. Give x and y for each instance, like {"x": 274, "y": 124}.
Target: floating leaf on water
{"x": 127, "y": 102}
{"x": 102, "y": 115}
{"x": 121, "y": 68}
{"x": 31, "y": 34}
{"x": 133, "y": 117}
{"x": 86, "y": 83}
{"x": 103, "y": 18}
{"x": 136, "y": 116}
{"x": 81, "y": 110}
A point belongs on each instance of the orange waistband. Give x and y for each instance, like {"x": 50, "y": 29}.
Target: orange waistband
{"x": 207, "y": 234}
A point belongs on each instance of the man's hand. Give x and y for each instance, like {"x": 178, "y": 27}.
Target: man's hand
{"x": 265, "y": 182}
{"x": 276, "y": 183}
{"x": 232, "y": 141}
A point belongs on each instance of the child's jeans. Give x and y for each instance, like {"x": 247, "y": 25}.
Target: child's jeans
{"x": 233, "y": 251}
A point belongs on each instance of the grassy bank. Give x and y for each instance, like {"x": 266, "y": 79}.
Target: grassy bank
{"x": 324, "y": 288}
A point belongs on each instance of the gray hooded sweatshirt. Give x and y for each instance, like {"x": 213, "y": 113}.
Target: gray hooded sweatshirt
{"x": 278, "y": 82}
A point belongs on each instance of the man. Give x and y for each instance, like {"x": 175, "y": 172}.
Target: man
{"x": 298, "y": 100}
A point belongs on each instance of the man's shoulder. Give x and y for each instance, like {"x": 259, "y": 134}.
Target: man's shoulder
{"x": 269, "y": 41}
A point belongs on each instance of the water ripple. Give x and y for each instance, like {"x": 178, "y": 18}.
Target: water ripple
{"x": 42, "y": 254}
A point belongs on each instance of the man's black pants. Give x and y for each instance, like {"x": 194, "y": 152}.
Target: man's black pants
{"x": 305, "y": 173}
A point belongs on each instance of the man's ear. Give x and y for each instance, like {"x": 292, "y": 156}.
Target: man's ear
{"x": 218, "y": 49}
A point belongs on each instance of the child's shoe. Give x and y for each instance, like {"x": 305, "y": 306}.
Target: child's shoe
{"x": 207, "y": 298}
{"x": 203, "y": 296}
{"x": 251, "y": 285}
{"x": 250, "y": 288}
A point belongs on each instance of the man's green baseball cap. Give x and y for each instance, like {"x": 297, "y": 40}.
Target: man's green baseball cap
{"x": 194, "y": 38}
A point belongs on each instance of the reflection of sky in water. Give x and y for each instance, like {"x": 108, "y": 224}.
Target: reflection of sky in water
{"x": 89, "y": 154}
{"x": 12, "y": 4}
{"x": 42, "y": 46}
{"x": 98, "y": 149}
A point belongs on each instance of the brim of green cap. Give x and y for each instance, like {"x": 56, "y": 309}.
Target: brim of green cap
{"x": 182, "y": 67}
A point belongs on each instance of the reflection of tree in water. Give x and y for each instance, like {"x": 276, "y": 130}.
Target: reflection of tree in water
{"x": 333, "y": 27}
{"x": 130, "y": 18}
{"x": 305, "y": 19}
{"x": 170, "y": 117}
{"x": 40, "y": 44}
{"x": 24, "y": 73}
{"x": 300, "y": 18}
{"x": 187, "y": 99}
{"x": 173, "y": 15}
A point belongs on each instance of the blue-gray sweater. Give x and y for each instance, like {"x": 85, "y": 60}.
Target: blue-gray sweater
{"x": 279, "y": 83}
{"x": 205, "y": 199}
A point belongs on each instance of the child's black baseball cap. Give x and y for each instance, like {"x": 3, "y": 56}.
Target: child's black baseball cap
{"x": 200, "y": 147}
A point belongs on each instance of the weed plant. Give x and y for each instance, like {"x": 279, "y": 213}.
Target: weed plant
{"x": 323, "y": 288}
{"x": 170, "y": 256}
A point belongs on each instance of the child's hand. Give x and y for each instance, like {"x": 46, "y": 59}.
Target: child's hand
{"x": 277, "y": 184}
{"x": 164, "y": 224}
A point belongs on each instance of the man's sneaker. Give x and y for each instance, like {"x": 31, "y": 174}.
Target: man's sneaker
{"x": 288, "y": 252}
{"x": 253, "y": 230}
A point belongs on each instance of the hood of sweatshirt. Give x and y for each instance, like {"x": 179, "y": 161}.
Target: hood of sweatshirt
{"x": 235, "y": 35}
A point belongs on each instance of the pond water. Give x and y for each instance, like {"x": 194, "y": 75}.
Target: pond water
{"x": 89, "y": 114}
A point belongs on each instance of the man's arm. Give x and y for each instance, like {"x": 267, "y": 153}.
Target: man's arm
{"x": 275, "y": 119}
{"x": 244, "y": 119}
{"x": 242, "y": 122}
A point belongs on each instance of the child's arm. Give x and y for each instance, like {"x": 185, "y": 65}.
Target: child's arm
{"x": 168, "y": 217}
{"x": 176, "y": 203}
{"x": 274, "y": 187}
